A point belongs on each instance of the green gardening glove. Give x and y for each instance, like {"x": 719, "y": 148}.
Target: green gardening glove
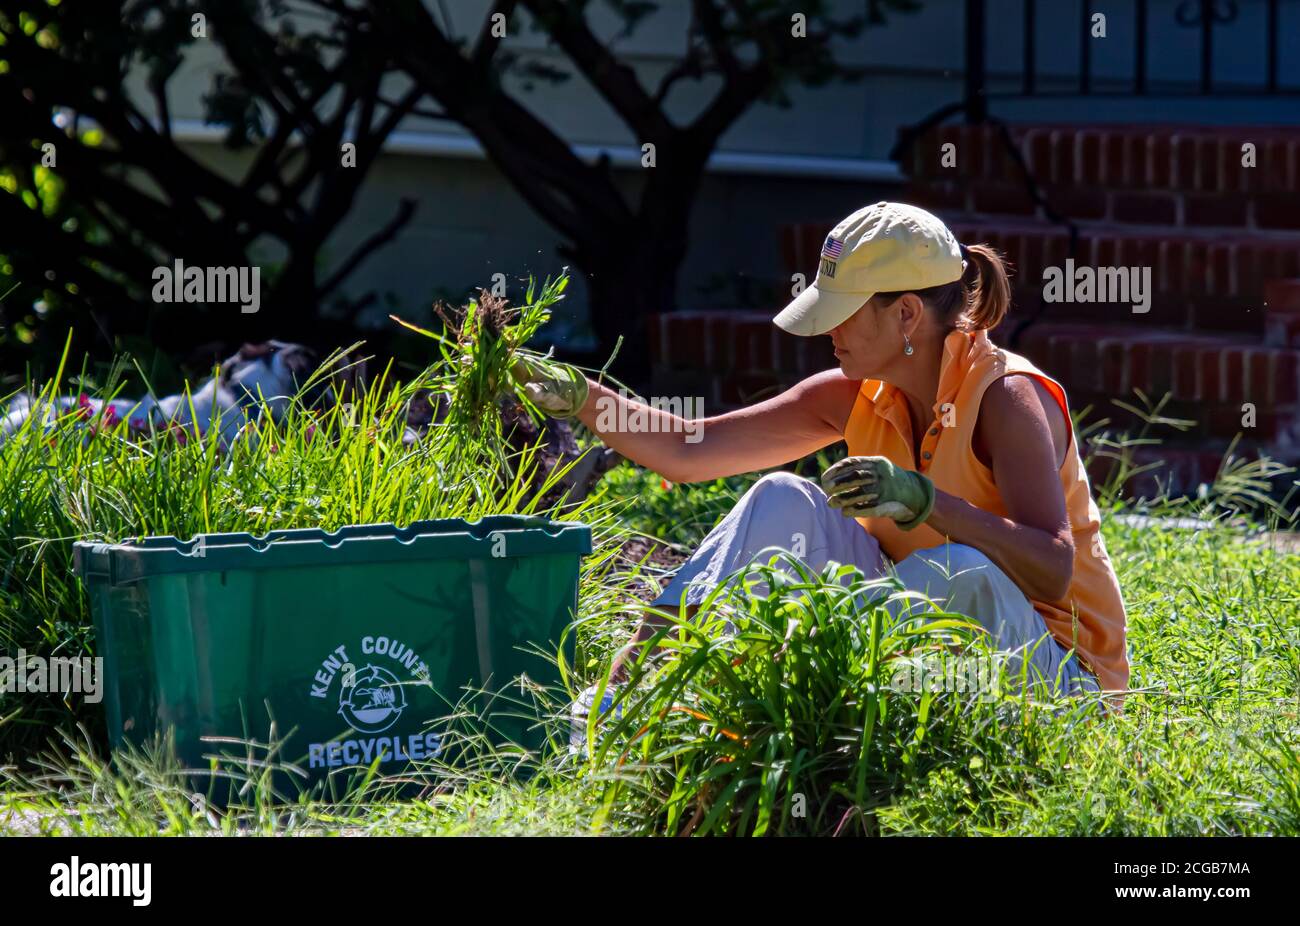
{"x": 556, "y": 388}
{"x": 873, "y": 487}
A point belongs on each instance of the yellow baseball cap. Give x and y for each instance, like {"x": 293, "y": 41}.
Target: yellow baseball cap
{"x": 885, "y": 248}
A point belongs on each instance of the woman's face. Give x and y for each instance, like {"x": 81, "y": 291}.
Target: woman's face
{"x": 868, "y": 341}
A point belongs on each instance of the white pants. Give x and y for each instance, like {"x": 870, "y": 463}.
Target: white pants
{"x": 785, "y": 511}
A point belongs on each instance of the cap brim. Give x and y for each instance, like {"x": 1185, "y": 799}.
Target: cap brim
{"x": 815, "y": 311}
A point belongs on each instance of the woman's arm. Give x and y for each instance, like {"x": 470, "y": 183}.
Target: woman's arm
{"x": 799, "y": 421}
{"x": 1025, "y": 435}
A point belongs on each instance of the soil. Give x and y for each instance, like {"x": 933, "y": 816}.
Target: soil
{"x": 646, "y": 551}
{"x": 651, "y": 551}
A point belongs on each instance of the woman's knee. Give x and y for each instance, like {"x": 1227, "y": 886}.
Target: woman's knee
{"x": 956, "y": 578}
{"x": 953, "y": 566}
{"x": 786, "y": 511}
{"x": 785, "y": 491}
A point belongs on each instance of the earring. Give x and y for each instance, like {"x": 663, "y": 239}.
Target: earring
{"x": 907, "y": 346}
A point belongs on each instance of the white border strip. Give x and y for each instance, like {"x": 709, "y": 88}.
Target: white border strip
{"x": 722, "y": 162}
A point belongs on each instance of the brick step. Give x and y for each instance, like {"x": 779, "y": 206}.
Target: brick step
{"x": 730, "y": 357}
{"x": 1199, "y": 281}
{"x": 1250, "y": 211}
{"x": 1282, "y": 313}
{"x": 1274, "y": 430}
{"x": 722, "y": 339}
{"x": 1183, "y": 159}
{"x": 1217, "y": 382}
{"x": 1175, "y": 470}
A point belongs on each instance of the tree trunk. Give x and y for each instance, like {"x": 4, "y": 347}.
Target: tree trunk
{"x": 622, "y": 295}
{"x": 633, "y": 273}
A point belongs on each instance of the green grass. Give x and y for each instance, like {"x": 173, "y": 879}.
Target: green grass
{"x": 792, "y": 725}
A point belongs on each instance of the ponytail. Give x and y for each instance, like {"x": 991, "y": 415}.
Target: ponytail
{"x": 987, "y": 287}
{"x": 977, "y": 302}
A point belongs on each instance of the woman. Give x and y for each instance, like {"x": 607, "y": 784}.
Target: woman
{"x": 963, "y": 474}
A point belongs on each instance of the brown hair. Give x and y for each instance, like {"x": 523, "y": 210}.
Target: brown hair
{"x": 978, "y": 301}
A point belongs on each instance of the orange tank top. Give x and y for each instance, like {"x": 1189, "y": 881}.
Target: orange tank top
{"x": 1090, "y": 618}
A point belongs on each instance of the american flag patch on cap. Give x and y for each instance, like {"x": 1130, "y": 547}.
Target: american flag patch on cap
{"x": 832, "y": 248}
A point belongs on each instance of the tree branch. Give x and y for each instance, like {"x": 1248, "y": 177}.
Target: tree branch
{"x": 538, "y": 162}
{"x": 715, "y": 34}
{"x": 613, "y": 79}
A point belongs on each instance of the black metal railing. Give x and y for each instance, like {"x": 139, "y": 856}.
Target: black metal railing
{"x": 1210, "y": 17}
{"x": 1205, "y": 15}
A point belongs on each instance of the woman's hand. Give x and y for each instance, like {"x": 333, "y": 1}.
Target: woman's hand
{"x": 873, "y": 487}
{"x": 558, "y": 389}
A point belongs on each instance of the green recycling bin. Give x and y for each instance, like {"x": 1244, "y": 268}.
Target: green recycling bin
{"x": 353, "y": 643}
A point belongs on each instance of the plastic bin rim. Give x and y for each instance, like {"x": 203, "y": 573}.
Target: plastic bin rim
{"x": 165, "y": 554}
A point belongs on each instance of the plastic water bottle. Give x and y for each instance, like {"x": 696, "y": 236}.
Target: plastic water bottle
{"x": 581, "y": 710}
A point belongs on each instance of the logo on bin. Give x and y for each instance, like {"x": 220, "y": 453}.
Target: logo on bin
{"x": 371, "y": 699}
{"x": 374, "y": 700}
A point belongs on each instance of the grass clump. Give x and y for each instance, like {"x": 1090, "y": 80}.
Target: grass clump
{"x": 478, "y": 345}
